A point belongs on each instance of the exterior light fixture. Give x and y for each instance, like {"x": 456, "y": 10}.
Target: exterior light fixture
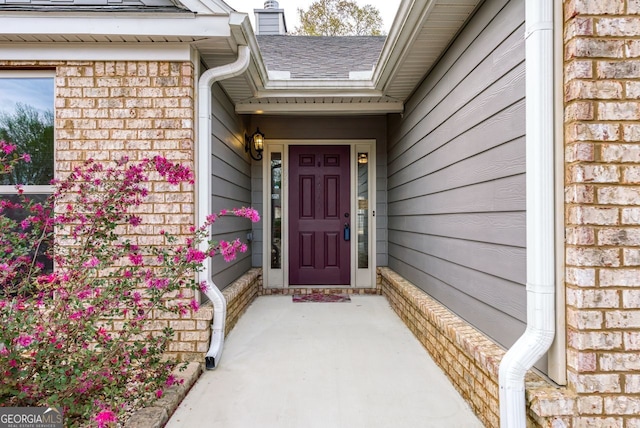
{"x": 254, "y": 142}
{"x": 363, "y": 158}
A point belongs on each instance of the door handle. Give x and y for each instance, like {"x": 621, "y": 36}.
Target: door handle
{"x": 347, "y": 232}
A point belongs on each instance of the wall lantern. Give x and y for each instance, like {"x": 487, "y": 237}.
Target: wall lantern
{"x": 255, "y": 141}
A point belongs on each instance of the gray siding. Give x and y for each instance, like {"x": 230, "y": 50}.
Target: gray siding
{"x": 305, "y": 128}
{"x": 456, "y": 176}
{"x": 231, "y": 184}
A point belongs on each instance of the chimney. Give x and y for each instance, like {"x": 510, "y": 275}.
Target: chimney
{"x": 270, "y": 20}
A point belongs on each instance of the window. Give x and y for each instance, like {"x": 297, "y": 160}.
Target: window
{"x": 27, "y": 121}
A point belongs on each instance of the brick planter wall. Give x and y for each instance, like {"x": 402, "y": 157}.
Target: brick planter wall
{"x": 470, "y": 359}
{"x": 240, "y": 295}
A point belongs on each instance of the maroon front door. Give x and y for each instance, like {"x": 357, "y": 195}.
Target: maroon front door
{"x": 319, "y": 215}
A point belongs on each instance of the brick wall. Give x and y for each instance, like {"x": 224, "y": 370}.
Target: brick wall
{"x": 106, "y": 110}
{"x": 602, "y": 137}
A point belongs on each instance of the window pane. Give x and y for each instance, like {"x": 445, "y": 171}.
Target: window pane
{"x": 363, "y": 210}
{"x": 26, "y": 120}
{"x": 17, "y": 215}
{"x": 276, "y": 210}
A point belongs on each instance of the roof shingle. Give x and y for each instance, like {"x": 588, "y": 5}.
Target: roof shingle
{"x": 320, "y": 57}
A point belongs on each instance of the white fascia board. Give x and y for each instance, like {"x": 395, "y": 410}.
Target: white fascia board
{"x": 111, "y": 24}
{"x": 324, "y": 85}
{"x": 329, "y": 108}
{"x": 95, "y": 52}
{"x": 326, "y": 93}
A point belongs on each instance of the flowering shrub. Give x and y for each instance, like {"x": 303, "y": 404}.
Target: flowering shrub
{"x": 78, "y": 336}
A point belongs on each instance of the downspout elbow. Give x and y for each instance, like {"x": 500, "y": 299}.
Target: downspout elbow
{"x": 529, "y": 348}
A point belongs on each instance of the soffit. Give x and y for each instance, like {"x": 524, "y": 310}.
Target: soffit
{"x": 432, "y": 37}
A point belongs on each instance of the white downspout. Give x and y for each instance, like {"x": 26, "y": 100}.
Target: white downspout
{"x": 540, "y": 331}
{"x": 205, "y": 83}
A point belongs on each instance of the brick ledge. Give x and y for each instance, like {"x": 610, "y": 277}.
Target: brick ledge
{"x": 157, "y": 415}
{"x": 444, "y": 335}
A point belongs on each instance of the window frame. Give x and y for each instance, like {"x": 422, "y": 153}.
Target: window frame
{"x": 33, "y": 74}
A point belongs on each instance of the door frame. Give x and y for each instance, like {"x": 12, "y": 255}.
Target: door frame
{"x": 279, "y": 278}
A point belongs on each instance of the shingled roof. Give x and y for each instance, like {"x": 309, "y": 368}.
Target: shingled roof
{"x": 320, "y": 57}
{"x": 92, "y": 5}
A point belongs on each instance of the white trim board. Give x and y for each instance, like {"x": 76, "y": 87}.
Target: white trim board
{"x": 279, "y": 278}
{"x": 96, "y": 52}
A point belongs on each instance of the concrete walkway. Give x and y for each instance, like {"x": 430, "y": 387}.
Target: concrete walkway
{"x": 325, "y": 365}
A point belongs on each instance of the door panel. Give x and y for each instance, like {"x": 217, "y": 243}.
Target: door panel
{"x": 319, "y": 209}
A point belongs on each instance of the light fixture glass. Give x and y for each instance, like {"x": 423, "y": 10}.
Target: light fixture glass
{"x": 258, "y": 141}
{"x": 254, "y": 142}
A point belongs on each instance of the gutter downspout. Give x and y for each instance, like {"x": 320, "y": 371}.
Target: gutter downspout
{"x": 537, "y": 338}
{"x": 214, "y": 294}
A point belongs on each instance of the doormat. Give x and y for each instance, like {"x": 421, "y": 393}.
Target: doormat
{"x": 321, "y": 298}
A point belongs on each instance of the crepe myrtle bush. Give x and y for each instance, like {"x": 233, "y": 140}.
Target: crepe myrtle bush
{"x": 77, "y": 335}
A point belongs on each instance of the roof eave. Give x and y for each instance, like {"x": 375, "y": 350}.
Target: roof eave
{"x": 106, "y": 24}
{"x": 404, "y": 30}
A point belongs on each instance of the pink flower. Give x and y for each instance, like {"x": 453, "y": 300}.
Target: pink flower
{"x": 105, "y": 418}
{"x": 194, "y": 305}
{"x": 158, "y": 283}
{"x": 24, "y": 340}
{"x": 8, "y": 148}
{"x": 249, "y": 213}
{"x": 103, "y": 334}
{"x": 171, "y": 380}
{"x": 195, "y": 255}
{"x": 136, "y": 259}
{"x": 92, "y": 262}
{"x": 26, "y": 157}
{"x": 159, "y": 393}
{"x": 135, "y": 220}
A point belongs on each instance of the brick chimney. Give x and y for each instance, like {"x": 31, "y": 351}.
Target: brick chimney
{"x": 270, "y": 20}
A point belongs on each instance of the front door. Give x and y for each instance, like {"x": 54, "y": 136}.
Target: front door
{"x": 320, "y": 218}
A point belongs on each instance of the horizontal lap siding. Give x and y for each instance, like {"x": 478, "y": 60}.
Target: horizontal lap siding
{"x": 456, "y": 183}
{"x": 231, "y": 184}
